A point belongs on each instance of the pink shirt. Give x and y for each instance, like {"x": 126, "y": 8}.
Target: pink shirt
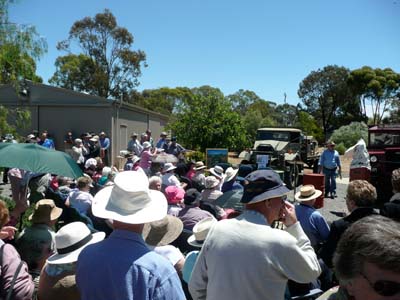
{"x": 145, "y": 159}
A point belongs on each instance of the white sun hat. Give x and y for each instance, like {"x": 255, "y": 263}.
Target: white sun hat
{"x": 200, "y": 231}
{"x": 230, "y": 173}
{"x": 130, "y": 200}
{"x": 71, "y": 239}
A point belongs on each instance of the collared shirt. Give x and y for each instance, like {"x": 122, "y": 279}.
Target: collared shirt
{"x": 47, "y": 143}
{"x": 160, "y": 144}
{"x": 244, "y": 258}
{"x": 105, "y": 143}
{"x": 135, "y": 147}
{"x": 329, "y": 159}
{"x": 123, "y": 267}
{"x": 313, "y": 223}
{"x": 80, "y": 200}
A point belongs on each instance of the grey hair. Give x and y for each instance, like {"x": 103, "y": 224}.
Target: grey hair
{"x": 396, "y": 180}
{"x": 373, "y": 239}
{"x": 362, "y": 193}
{"x": 154, "y": 180}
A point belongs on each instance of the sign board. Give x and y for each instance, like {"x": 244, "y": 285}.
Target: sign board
{"x": 215, "y": 156}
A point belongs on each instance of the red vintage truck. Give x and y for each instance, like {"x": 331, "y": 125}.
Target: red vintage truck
{"x": 384, "y": 151}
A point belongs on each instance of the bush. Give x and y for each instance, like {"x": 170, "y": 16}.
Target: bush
{"x": 340, "y": 148}
{"x": 350, "y": 134}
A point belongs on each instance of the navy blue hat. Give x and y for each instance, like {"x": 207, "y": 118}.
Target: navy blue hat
{"x": 261, "y": 185}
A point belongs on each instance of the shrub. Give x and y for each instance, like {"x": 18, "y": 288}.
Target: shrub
{"x": 350, "y": 134}
{"x": 340, "y": 148}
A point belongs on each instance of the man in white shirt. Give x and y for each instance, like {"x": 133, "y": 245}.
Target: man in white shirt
{"x": 245, "y": 258}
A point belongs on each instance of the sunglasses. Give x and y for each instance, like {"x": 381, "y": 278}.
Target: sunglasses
{"x": 384, "y": 288}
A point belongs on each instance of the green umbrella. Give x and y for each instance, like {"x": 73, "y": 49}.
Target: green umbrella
{"x": 38, "y": 159}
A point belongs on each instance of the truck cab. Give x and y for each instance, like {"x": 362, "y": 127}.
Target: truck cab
{"x": 384, "y": 152}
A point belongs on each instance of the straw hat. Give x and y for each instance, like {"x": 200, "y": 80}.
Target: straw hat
{"x": 217, "y": 171}
{"x": 95, "y": 138}
{"x": 146, "y": 145}
{"x": 71, "y": 240}
{"x": 200, "y": 231}
{"x": 199, "y": 165}
{"x": 45, "y": 211}
{"x": 130, "y": 200}
{"x": 306, "y": 193}
{"x": 230, "y": 173}
{"x": 162, "y": 232}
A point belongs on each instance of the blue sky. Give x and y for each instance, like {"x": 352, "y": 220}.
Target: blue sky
{"x": 262, "y": 45}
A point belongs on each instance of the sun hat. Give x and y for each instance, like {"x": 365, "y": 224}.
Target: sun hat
{"x": 217, "y": 171}
{"x": 130, "y": 200}
{"x": 174, "y": 194}
{"x": 95, "y": 138}
{"x": 306, "y": 193}
{"x": 163, "y": 133}
{"x": 262, "y": 185}
{"x": 211, "y": 182}
{"x": 71, "y": 239}
{"x": 134, "y": 134}
{"x": 128, "y": 155}
{"x": 135, "y": 159}
{"x": 200, "y": 231}
{"x": 162, "y": 232}
{"x": 106, "y": 171}
{"x": 102, "y": 133}
{"x": 30, "y": 136}
{"x": 230, "y": 173}
{"x": 45, "y": 211}
{"x": 199, "y": 165}
{"x": 191, "y": 196}
{"x": 146, "y": 145}
{"x": 9, "y": 137}
{"x": 78, "y": 141}
{"x": 329, "y": 143}
{"x": 90, "y": 162}
{"x": 168, "y": 167}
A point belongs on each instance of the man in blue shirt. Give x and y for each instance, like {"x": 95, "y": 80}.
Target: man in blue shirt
{"x": 328, "y": 164}
{"x": 122, "y": 266}
{"x": 104, "y": 146}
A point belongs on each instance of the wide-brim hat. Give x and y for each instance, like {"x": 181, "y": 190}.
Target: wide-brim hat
{"x": 217, "y": 171}
{"x": 306, "y": 193}
{"x": 135, "y": 159}
{"x": 230, "y": 173}
{"x": 168, "y": 167}
{"x": 329, "y": 143}
{"x": 90, "y": 162}
{"x": 45, "y": 211}
{"x": 211, "y": 182}
{"x": 262, "y": 185}
{"x": 95, "y": 138}
{"x": 162, "y": 232}
{"x": 130, "y": 200}
{"x": 174, "y": 194}
{"x": 200, "y": 231}
{"x": 146, "y": 145}
{"x": 71, "y": 240}
{"x": 199, "y": 165}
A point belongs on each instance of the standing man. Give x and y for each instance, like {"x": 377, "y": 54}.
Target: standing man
{"x": 245, "y": 258}
{"x": 134, "y": 146}
{"x": 328, "y": 164}
{"x": 104, "y": 146}
{"x": 149, "y": 138}
{"x": 122, "y": 266}
{"x": 162, "y": 141}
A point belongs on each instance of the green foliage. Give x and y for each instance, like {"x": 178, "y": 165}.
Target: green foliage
{"x": 107, "y": 66}
{"x": 350, "y": 134}
{"x": 206, "y": 120}
{"x": 5, "y": 127}
{"x": 309, "y": 126}
{"x": 341, "y": 148}
{"x": 20, "y": 46}
{"x": 195, "y": 156}
{"x": 379, "y": 87}
{"x": 324, "y": 92}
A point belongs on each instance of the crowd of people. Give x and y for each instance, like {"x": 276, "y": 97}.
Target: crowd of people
{"x": 164, "y": 233}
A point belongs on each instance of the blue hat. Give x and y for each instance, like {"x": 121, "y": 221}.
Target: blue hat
{"x": 261, "y": 185}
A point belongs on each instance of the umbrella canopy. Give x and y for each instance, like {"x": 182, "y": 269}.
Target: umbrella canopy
{"x": 165, "y": 158}
{"x": 230, "y": 199}
{"x": 38, "y": 159}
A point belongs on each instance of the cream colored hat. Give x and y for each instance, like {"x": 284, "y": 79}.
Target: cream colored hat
{"x": 306, "y": 193}
{"x": 230, "y": 173}
{"x": 200, "y": 231}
